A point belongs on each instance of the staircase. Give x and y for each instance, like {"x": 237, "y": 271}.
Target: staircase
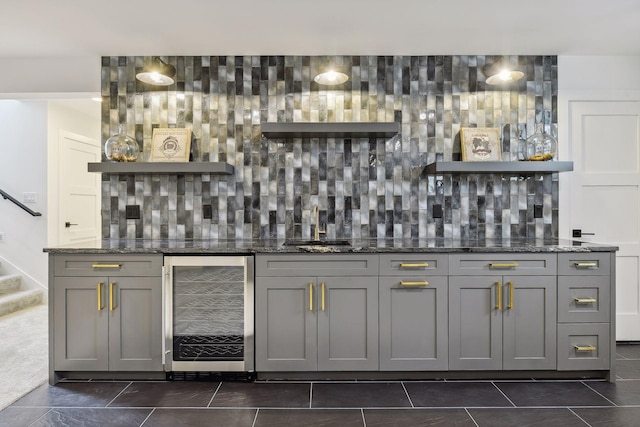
{"x": 13, "y": 297}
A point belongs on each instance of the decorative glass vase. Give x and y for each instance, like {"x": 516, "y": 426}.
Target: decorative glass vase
{"x": 121, "y": 147}
{"x": 540, "y": 146}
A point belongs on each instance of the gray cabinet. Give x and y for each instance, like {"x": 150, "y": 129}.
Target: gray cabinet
{"x": 324, "y": 317}
{"x": 107, "y": 313}
{"x": 413, "y": 312}
{"x": 502, "y": 322}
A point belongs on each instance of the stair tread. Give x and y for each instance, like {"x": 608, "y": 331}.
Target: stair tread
{"x": 10, "y": 283}
{"x": 18, "y": 300}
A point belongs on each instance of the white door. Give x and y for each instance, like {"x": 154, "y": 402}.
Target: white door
{"x": 79, "y": 189}
{"x": 604, "y": 140}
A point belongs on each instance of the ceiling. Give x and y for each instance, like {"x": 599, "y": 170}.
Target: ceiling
{"x": 81, "y": 28}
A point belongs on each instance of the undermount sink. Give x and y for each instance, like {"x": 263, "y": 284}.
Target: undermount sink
{"x": 329, "y": 242}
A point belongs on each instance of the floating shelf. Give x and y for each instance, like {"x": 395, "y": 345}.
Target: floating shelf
{"x": 499, "y": 167}
{"x": 331, "y": 130}
{"x": 216, "y": 168}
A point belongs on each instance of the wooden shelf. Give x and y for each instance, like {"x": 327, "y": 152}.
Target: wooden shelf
{"x": 499, "y": 167}
{"x": 331, "y": 130}
{"x": 216, "y": 168}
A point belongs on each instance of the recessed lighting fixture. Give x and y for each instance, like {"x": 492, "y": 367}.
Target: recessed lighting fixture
{"x": 331, "y": 78}
{"x": 158, "y": 73}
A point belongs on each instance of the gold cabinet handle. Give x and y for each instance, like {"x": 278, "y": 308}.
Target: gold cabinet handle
{"x": 585, "y": 264}
{"x": 100, "y": 307}
{"x": 585, "y": 300}
{"x": 111, "y": 304}
{"x": 503, "y": 265}
{"x": 310, "y": 296}
{"x": 322, "y": 302}
{"x": 422, "y": 283}
{"x": 499, "y": 306}
{"x": 414, "y": 264}
{"x": 106, "y": 265}
{"x": 585, "y": 348}
{"x": 511, "y": 291}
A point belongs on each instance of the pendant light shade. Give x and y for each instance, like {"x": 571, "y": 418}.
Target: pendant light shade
{"x": 500, "y": 73}
{"x": 158, "y": 73}
{"x": 331, "y": 78}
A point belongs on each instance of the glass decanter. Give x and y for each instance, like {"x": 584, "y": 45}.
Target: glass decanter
{"x": 540, "y": 146}
{"x": 121, "y": 147}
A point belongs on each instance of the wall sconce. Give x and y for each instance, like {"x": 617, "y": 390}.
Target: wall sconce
{"x": 500, "y": 73}
{"x": 159, "y": 73}
{"x": 331, "y": 78}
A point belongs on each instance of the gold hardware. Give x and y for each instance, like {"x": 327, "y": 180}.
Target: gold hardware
{"x": 585, "y": 264}
{"x": 499, "y": 306}
{"x": 106, "y": 265}
{"x": 310, "y": 296}
{"x": 322, "y": 296}
{"x": 414, "y": 264}
{"x": 503, "y": 265}
{"x": 111, "y": 307}
{"x": 423, "y": 283}
{"x": 585, "y": 300}
{"x": 100, "y": 296}
{"x": 511, "y": 290}
{"x": 585, "y": 348}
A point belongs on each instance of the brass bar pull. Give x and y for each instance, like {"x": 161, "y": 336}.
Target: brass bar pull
{"x": 585, "y": 348}
{"x": 111, "y": 305}
{"x": 100, "y": 307}
{"x": 322, "y": 296}
{"x": 511, "y": 291}
{"x": 585, "y": 300}
{"x": 503, "y": 265}
{"x": 423, "y": 283}
{"x": 499, "y": 306}
{"x": 310, "y": 296}
{"x": 414, "y": 264}
{"x": 585, "y": 264}
{"x": 106, "y": 265}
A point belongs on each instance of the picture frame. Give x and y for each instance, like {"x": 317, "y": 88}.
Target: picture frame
{"x": 480, "y": 144}
{"x": 170, "y": 145}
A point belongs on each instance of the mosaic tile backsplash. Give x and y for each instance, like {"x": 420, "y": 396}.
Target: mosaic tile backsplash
{"x": 364, "y": 187}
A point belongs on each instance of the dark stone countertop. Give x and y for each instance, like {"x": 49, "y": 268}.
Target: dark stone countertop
{"x": 271, "y": 246}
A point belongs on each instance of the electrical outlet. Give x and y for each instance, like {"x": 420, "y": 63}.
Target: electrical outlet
{"x": 29, "y": 197}
{"x": 207, "y": 212}
{"x": 437, "y": 211}
{"x": 132, "y": 212}
{"x": 537, "y": 211}
{"x": 1, "y": 237}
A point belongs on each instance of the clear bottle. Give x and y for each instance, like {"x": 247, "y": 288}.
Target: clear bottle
{"x": 540, "y": 146}
{"x": 121, "y": 147}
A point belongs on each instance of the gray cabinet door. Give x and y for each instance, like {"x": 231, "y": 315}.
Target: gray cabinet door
{"x": 413, "y": 324}
{"x": 286, "y": 324}
{"x": 135, "y": 323}
{"x": 529, "y": 322}
{"x": 347, "y": 323}
{"x": 81, "y": 324}
{"x": 475, "y": 323}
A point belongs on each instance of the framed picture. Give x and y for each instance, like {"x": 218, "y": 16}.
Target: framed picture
{"x": 480, "y": 144}
{"x": 170, "y": 145}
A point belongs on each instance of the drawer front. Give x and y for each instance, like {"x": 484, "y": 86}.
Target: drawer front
{"x": 408, "y": 265}
{"x": 316, "y": 265}
{"x": 583, "y": 346}
{"x": 511, "y": 264}
{"x": 584, "y": 299}
{"x": 107, "y": 265}
{"x": 584, "y": 264}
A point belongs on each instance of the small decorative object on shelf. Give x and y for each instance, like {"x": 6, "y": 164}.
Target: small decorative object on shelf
{"x": 540, "y": 146}
{"x": 170, "y": 145}
{"x": 480, "y": 144}
{"x": 121, "y": 147}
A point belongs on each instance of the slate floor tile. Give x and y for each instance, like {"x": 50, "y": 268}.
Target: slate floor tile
{"x": 309, "y": 418}
{"x": 161, "y": 393}
{"x": 628, "y": 351}
{"x": 551, "y": 393}
{"x": 455, "y": 394}
{"x": 525, "y": 417}
{"x": 172, "y": 417}
{"x": 18, "y": 417}
{"x": 628, "y": 369}
{"x": 610, "y": 417}
{"x": 622, "y": 392}
{"x": 71, "y": 394}
{"x": 359, "y": 395}
{"x": 94, "y": 417}
{"x": 417, "y": 418}
{"x": 262, "y": 395}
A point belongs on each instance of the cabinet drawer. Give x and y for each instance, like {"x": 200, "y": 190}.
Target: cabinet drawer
{"x": 583, "y": 346}
{"x": 584, "y": 299}
{"x": 512, "y": 264}
{"x": 107, "y": 265}
{"x": 579, "y": 264}
{"x": 414, "y": 264}
{"x": 316, "y": 265}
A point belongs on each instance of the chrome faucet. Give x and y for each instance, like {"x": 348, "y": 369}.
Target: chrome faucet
{"x": 317, "y": 232}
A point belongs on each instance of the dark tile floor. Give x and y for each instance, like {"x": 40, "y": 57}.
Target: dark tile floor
{"x": 344, "y": 404}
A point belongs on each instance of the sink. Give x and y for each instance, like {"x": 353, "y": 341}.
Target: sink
{"x": 328, "y": 242}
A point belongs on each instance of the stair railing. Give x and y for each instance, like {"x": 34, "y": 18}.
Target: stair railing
{"x": 6, "y": 196}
